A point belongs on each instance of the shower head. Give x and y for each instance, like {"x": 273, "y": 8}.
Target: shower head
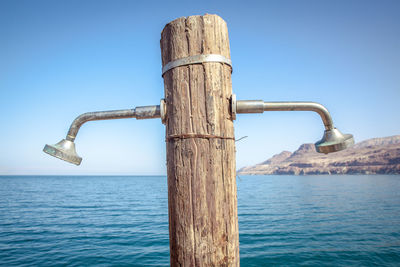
{"x": 333, "y": 140}
{"x": 64, "y": 150}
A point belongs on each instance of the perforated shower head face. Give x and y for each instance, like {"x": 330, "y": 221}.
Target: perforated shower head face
{"x": 333, "y": 141}
{"x": 64, "y": 150}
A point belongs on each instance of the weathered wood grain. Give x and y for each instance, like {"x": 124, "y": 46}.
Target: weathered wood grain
{"x": 202, "y": 196}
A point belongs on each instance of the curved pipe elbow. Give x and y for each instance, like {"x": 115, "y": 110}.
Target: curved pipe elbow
{"x": 94, "y": 116}
{"x": 302, "y": 106}
{"x": 145, "y": 112}
{"x": 259, "y": 106}
{"x": 324, "y": 114}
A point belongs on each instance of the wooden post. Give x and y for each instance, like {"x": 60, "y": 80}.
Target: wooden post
{"x": 202, "y": 199}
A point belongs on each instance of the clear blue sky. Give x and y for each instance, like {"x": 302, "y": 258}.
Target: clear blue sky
{"x": 59, "y": 59}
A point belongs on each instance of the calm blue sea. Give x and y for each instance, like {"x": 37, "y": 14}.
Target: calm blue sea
{"x": 123, "y": 220}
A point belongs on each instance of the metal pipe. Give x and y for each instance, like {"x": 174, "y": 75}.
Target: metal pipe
{"x": 146, "y": 112}
{"x": 259, "y": 106}
{"x": 249, "y": 106}
{"x": 302, "y": 106}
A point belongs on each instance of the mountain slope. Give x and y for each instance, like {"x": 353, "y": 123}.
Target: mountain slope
{"x": 373, "y": 156}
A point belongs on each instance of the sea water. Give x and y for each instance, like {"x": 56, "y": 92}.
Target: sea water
{"x": 123, "y": 220}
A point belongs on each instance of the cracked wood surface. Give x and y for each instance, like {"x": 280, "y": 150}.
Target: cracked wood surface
{"x": 202, "y": 198}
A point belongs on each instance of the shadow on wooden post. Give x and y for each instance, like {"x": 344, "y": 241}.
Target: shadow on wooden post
{"x": 202, "y": 198}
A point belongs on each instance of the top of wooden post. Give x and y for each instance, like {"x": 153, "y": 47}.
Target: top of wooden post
{"x": 213, "y": 28}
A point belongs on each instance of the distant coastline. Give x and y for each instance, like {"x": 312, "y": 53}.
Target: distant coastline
{"x": 372, "y": 156}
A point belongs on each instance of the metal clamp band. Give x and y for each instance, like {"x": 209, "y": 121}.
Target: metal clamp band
{"x": 197, "y": 59}
{"x": 193, "y": 135}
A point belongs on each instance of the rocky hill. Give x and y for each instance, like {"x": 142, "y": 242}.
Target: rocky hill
{"x": 373, "y": 156}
